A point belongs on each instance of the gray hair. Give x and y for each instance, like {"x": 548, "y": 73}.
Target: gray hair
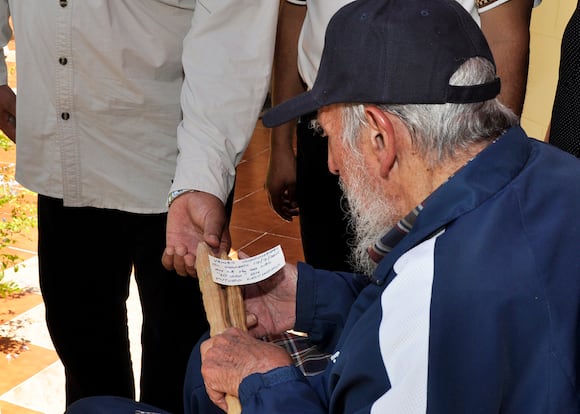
{"x": 439, "y": 131}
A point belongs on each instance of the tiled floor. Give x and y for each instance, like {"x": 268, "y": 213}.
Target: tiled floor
{"x": 31, "y": 379}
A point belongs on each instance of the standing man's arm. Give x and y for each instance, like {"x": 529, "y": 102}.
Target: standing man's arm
{"x": 227, "y": 62}
{"x": 507, "y": 30}
{"x": 7, "y": 96}
{"x": 286, "y": 83}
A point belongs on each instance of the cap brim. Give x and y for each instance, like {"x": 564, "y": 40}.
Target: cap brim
{"x": 292, "y": 108}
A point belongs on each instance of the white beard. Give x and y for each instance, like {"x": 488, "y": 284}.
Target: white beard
{"x": 371, "y": 212}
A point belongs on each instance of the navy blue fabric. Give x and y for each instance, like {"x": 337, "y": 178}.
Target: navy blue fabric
{"x": 416, "y": 46}
{"x": 111, "y": 405}
{"x": 504, "y": 329}
{"x": 504, "y": 325}
{"x": 195, "y": 399}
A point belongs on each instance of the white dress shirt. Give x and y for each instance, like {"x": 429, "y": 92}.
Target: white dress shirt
{"x": 99, "y": 84}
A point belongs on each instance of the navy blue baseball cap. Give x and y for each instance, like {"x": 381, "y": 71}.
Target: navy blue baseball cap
{"x": 393, "y": 52}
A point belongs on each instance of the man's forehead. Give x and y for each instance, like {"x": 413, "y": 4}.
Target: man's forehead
{"x": 329, "y": 117}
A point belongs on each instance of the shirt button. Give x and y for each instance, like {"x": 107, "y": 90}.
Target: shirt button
{"x": 65, "y": 116}
{"x": 63, "y": 61}
{"x": 63, "y": 3}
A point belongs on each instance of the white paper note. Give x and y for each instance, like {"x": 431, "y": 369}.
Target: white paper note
{"x": 247, "y": 271}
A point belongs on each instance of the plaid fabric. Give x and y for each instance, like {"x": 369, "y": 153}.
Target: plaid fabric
{"x": 305, "y": 355}
{"x": 386, "y": 243}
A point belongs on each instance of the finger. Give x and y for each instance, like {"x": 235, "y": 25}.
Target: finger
{"x": 218, "y": 398}
{"x": 276, "y": 202}
{"x": 179, "y": 266}
{"x": 291, "y": 206}
{"x": 294, "y": 212}
{"x": 182, "y": 264}
{"x": 189, "y": 262}
{"x": 167, "y": 258}
{"x": 284, "y": 214}
{"x": 276, "y": 205}
{"x": 213, "y": 228}
{"x": 226, "y": 240}
{"x": 251, "y": 320}
{"x": 205, "y": 345}
{"x": 180, "y": 250}
{"x": 288, "y": 214}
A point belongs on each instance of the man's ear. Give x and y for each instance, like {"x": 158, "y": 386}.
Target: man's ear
{"x": 382, "y": 137}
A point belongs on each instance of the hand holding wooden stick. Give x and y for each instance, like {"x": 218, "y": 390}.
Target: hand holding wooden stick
{"x": 224, "y": 306}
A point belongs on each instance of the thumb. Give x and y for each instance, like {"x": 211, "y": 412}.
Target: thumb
{"x": 214, "y": 227}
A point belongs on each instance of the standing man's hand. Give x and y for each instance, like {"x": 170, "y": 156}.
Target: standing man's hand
{"x": 281, "y": 179}
{"x": 286, "y": 83}
{"x": 194, "y": 217}
{"x": 8, "y": 112}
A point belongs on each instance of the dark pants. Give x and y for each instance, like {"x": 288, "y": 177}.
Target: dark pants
{"x": 86, "y": 256}
{"x": 323, "y": 220}
{"x": 115, "y": 405}
{"x": 565, "y": 126}
{"x": 196, "y": 400}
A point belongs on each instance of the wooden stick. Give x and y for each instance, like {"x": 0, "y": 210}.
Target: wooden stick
{"x": 224, "y": 306}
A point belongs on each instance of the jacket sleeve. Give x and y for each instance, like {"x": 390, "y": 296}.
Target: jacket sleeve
{"x": 283, "y": 391}
{"x": 323, "y": 303}
{"x": 227, "y": 61}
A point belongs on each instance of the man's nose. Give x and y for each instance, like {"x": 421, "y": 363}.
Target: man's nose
{"x": 332, "y": 165}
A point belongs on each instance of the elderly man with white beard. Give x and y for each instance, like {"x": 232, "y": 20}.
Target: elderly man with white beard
{"x": 474, "y": 304}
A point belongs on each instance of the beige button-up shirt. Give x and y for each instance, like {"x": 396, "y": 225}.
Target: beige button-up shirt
{"x": 99, "y": 121}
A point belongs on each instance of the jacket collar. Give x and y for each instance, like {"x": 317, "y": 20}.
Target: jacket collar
{"x": 490, "y": 171}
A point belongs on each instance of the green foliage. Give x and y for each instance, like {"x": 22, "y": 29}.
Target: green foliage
{"x": 18, "y": 215}
{"x": 5, "y": 143}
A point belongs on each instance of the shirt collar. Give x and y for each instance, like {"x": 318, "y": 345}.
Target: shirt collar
{"x": 393, "y": 236}
{"x": 387, "y": 242}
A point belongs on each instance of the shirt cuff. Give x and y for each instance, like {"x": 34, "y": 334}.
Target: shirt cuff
{"x": 485, "y": 5}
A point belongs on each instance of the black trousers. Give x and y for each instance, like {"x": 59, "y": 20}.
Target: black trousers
{"x": 565, "y": 127}
{"x": 323, "y": 212}
{"x": 86, "y": 256}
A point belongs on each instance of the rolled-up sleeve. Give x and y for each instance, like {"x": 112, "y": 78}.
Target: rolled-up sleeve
{"x": 227, "y": 62}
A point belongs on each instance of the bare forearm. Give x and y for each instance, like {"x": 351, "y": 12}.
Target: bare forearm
{"x": 286, "y": 81}
{"x": 506, "y": 29}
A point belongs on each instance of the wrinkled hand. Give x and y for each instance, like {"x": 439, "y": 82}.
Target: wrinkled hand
{"x": 192, "y": 218}
{"x": 228, "y": 358}
{"x": 281, "y": 184}
{"x": 271, "y": 304}
{"x": 8, "y": 112}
